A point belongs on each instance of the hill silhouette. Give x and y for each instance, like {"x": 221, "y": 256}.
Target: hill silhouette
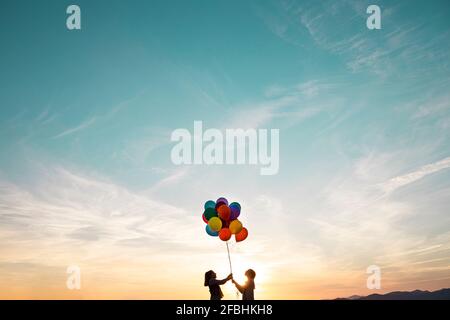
{"x": 442, "y": 294}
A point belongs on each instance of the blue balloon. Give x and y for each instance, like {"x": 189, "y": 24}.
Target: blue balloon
{"x": 212, "y": 233}
{"x": 235, "y": 204}
{"x": 210, "y": 204}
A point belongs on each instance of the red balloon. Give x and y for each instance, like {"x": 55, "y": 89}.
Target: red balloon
{"x": 204, "y": 218}
{"x": 224, "y": 234}
{"x": 224, "y": 212}
{"x": 241, "y": 236}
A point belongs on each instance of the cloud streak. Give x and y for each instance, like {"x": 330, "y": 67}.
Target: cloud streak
{"x": 85, "y": 124}
{"x": 330, "y": 26}
{"x": 406, "y": 179}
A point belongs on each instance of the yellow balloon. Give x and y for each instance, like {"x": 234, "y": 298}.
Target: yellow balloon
{"x": 215, "y": 223}
{"x": 235, "y": 226}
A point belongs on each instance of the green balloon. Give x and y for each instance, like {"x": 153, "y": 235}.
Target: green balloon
{"x": 209, "y": 213}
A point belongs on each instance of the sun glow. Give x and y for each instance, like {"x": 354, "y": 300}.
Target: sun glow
{"x": 240, "y": 264}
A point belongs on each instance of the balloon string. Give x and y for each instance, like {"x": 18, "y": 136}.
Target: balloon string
{"x": 229, "y": 259}
{"x": 231, "y": 269}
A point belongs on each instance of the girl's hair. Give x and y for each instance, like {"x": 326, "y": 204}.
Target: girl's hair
{"x": 208, "y": 277}
{"x": 250, "y": 273}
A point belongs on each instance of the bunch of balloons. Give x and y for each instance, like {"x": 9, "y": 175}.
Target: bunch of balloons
{"x": 221, "y": 220}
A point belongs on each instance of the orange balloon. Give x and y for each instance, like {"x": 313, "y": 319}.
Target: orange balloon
{"x": 241, "y": 236}
{"x": 224, "y": 234}
{"x": 224, "y": 212}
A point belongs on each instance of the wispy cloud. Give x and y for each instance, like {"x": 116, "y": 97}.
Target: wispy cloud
{"x": 403, "y": 180}
{"x": 286, "y": 104}
{"x": 172, "y": 178}
{"x": 432, "y": 107}
{"x": 66, "y": 217}
{"x": 331, "y": 27}
{"x": 358, "y": 213}
{"x": 85, "y": 124}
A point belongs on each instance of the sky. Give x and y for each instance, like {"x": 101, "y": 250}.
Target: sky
{"x": 86, "y": 117}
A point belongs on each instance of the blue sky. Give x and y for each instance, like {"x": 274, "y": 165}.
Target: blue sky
{"x": 364, "y": 119}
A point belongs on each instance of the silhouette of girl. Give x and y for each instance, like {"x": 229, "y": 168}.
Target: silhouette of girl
{"x": 214, "y": 284}
{"x": 248, "y": 288}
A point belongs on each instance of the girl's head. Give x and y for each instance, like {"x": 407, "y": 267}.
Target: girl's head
{"x": 250, "y": 273}
{"x": 208, "y": 276}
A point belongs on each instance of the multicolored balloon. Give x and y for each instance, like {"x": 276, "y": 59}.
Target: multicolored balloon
{"x": 221, "y": 201}
{"x": 235, "y": 210}
{"x": 221, "y": 219}
{"x": 211, "y": 232}
{"x": 235, "y": 226}
{"x": 241, "y": 236}
{"x": 209, "y": 213}
{"x": 224, "y": 234}
{"x": 215, "y": 224}
{"x": 210, "y": 204}
{"x": 224, "y": 212}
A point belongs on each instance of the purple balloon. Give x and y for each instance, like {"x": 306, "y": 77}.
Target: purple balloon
{"x": 235, "y": 211}
{"x": 221, "y": 201}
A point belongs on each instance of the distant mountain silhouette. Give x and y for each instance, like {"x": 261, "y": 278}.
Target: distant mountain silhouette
{"x": 442, "y": 294}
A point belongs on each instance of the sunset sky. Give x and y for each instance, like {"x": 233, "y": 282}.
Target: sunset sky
{"x": 86, "y": 117}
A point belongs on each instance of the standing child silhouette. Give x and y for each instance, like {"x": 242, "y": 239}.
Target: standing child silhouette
{"x": 248, "y": 288}
{"x": 214, "y": 284}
